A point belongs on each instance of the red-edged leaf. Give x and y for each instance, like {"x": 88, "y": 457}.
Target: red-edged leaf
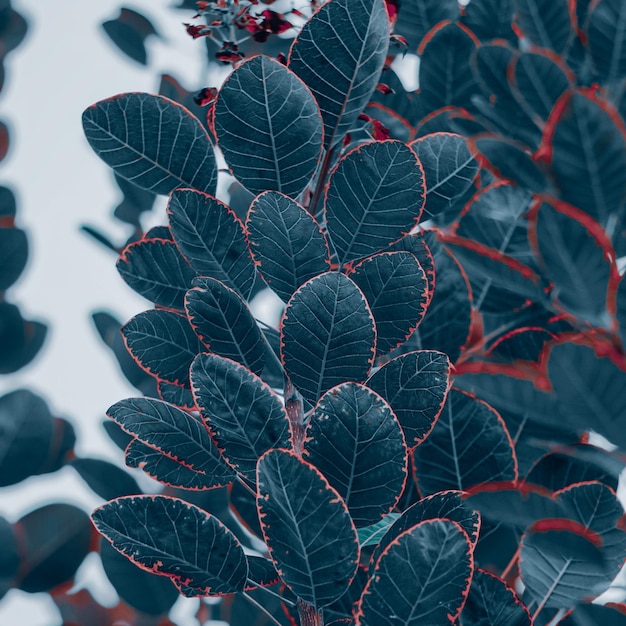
{"x": 396, "y": 290}
{"x": 175, "y": 394}
{"x": 175, "y": 434}
{"x": 323, "y": 346}
{"x": 374, "y": 197}
{"x": 212, "y": 239}
{"x": 606, "y": 37}
{"x": 224, "y": 324}
{"x": 163, "y": 343}
{"x": 157, "y": 270}
{"x": 417, "y": 17}
{"x": 450, "y": 170}
{"x": 423, "y": 576}
{"x": 269, "y": 127}
{"x": 286, "y": 242}
{"x": 356, "y": 441}
{"x": 244, "y": 416}
{"x": 490, "y": 19}
{"x": 546, "y": 23}
{"x": 491, "y": 601}
{"x": 339, "y": 54}
{"x": 170, "y": 537}
{"x": 489, "y": 63}
{"x": 588, "y": 155}
{"x": 468, "y": 446}
{"x": 415, "y": 385}
{"x": 182, "y": 157}
{"x": 307, "y": 528}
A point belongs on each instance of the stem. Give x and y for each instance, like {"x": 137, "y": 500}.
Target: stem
{"x": 295, "y": 413}
{"x": 273, "y": 593}
{"x": 244, "y": 484}
{"x": 321, "y": 179}
{"x": 308, "y": 615}
{"x": 512, "y": 563}
{"x": 261, "y": 608}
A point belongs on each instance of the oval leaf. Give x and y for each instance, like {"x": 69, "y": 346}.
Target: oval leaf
{"x": 546, "y": 23}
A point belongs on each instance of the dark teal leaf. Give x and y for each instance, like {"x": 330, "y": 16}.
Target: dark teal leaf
{"x": 415, "y": 385}
{"x": 106, "y": 479}
{"x": 287, "y": 243}
{"x": 178, "y": 154}
{"x": 490, "y": 19}
{"x": 211, "y": 237}
{"x": 606, "y": 33}
{"x": 356, "y": 441}
{"x": 128, "y": 32}
{"x": 9, "y": 556}
{"x": 593, "y": 614}
{"x": 175, "y": 394}
{"x": 177, "y": 435}
{"x": 224, "y": 324}
{"x": 423, "y": 577}
{"x": 163, "y": 343}
{"x": 307, "y": 528}
{"x": 327, "y": 335}
{"x": 13, "y": 255}
{"x": 370, "y": 536}
{"x": 157, "y": 270}
{"x": 339, "y": 54}
{"x": 269, "y": 127}
{"x": 396, "y": 289}
{"x": 546, "y": 23}
{"x": 244, "y": 416}
{"x": 417, "y": 17}
{"x": 170, "y": 537}
{"x": 468, "y": 446}
{"x": 135, "y": 201}
{"x": 374, "y": 197}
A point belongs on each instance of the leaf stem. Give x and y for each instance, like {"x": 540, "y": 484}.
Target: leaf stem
{"x": 512, "y": 563}
{"x": 295, "y": 413}
{"x": 273, "y": 593}
{"x": 261, "y": 608}
{"x": 308, "y": 615}
{"x": 321, "y": 182}
{"x": 244, "y": 484}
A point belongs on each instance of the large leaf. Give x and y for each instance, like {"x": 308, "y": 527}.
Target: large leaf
{"x": 175, "y": 434}
{"x": 355, "y": 440}
{"x": 163, "y": 343}
{"x": 244, "y": 416}
{"x": 170, "y": 537}
{"x": 327, "y": 335}
{"x": 606, "y": 33}
{"x": 415, "y": 385}
{"x": 468, "y": 446}
{"x": 268, "y": 126}
{"x": 339, "y": 54}
{"x": 287, "y": 243}
{"x": 490, "y": 19}
{"x": 212, "y": 239}
{"x": 156, "y": 269}
{"x": 417, "y": 17}
{"x": 546, "y": 23}
{"x": 374, "y": 197}
{"x": 307, "y": 528}
{"x": 396, "y": 289}
{"x": 178, "y": 154}
{"x": 423, "y": 577}
{"x": 224, "y": 324}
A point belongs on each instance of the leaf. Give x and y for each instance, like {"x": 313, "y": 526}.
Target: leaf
{"x": 591, "y": 391}
{"x": 135, "y": 201}
{"x": 175, "y": 434}
{"x": 449, "y": 168}
{"x": 339, "y": 54}
{"x": 445, "y": 76}
{"x": 588, "y": 155}
{"x": 288, "y": 245}
{"x": 606, "y": 36}
{"x": 268, "y": 126}
{"x": 307, "y": 528}
{"x": 415, "y": 385}
{"x": 356, "y": 441}
{"x": 546, "y": 23}
{"x": 13, "y": 255}
{"x": 417, "y": 17}
{"x": 577, "y": 258}
{"x": 224, "y": 324}
{"x": 375, "y": 196}
{"x": 182, "y": 157}
{"x": 53, "y": 541}
{"x": 105, "y": 479}
{"x": 490, "y": 19}
{"x": 468, "y": 446}
{"x": 243, "y": 415}
{"x": 212, "y": 239}
{"x": 176, "y": 395}
{"x": 163, "y": 344}
{"x": 396, "y": 290}
{"x": 128, "y": 32}
{"x": 9, "y": 557}
{"x": 422, "y": 577}
{"x": 156, "y": 270}
{"x": 591, "y": 614}
{"x": 327, "y": 335}
{"x": 370, "y": 535}
{"x": 491, "y": 601}
{"x": 170, "y": 537}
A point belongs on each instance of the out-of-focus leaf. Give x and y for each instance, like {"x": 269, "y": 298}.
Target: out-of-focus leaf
{"x": 490, "y": 19}
{"x": 13, "y": 255}
{"x": 9, "y": 556}
{"x": 106, "y": 479}
{"x": 606, "y": 32}
{"x": 135, "y": 201}
{"x": 546, "y": 23}
{"x": 128, "y": 32}
{"x": 20, "y": 339}
{"x": 417, "y": 17}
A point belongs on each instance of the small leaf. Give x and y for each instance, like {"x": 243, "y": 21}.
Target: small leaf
{"x": 323, "y": 346}
{"x": 129, "y": 32}
{"x": 244, "y": 416}
{"x": 212, "y": 239}
{"x": 182, "y": 156}
{"x": 307, "y": 528}
{"x": 174, "y": 538}
{"x": 356, "y": 441}
{"x": 107, "y": 480}
{"x": 287, "y": 243}
{"x": 163, "y": 343}
{"x": 13, "y": 255}
{"x": 269, "y": 127}
{"x": 339, "y": 54}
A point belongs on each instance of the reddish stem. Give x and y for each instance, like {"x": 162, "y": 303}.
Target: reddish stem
{"x": 308, "y": 615}
{"x": 295, "y": 413}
